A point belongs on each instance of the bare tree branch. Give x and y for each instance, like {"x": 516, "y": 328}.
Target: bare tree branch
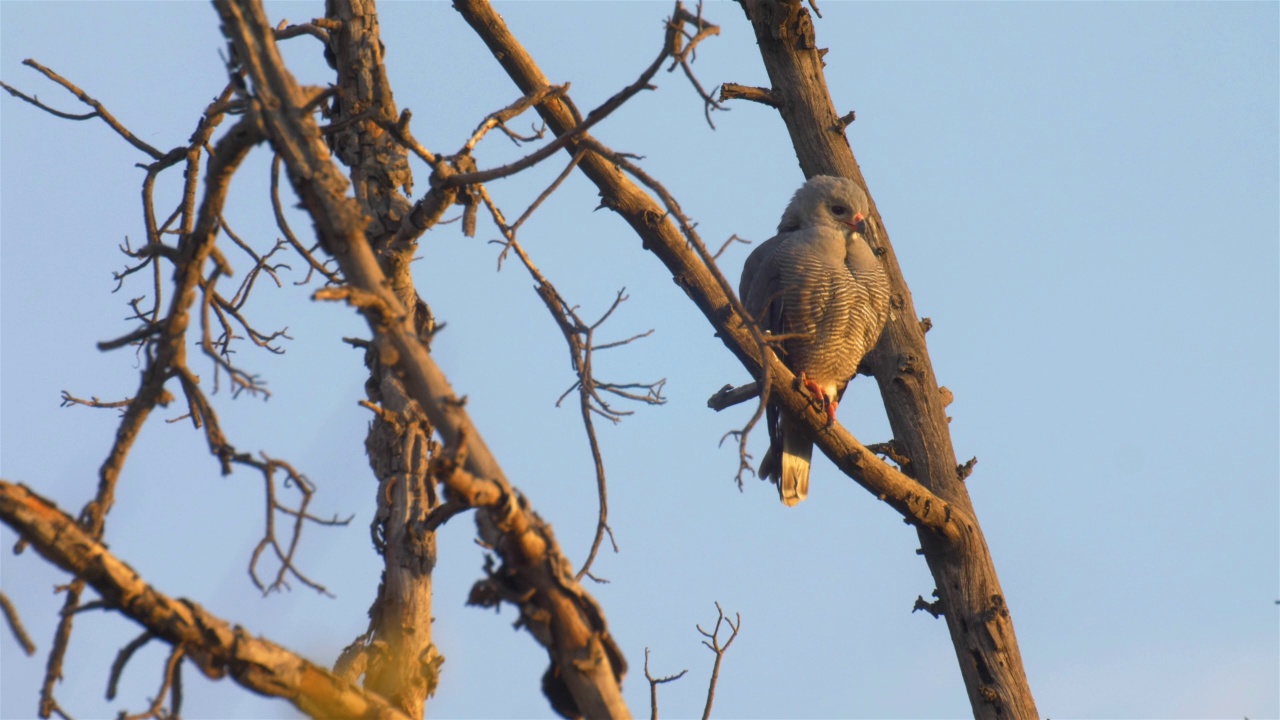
{"x": 685, "y": 54}
{"x": 216, "y": 647}
{"x": 122, "y": 659}
{"x": 318, "y": 28}
{"x": 98, "y": 110}
{"x": 68, "y": 400}
{"x": 728, "y": 396}
{"x": 579, "y": 336}
{"x": 15, "y": 625}
{"x": 169, "y": 353}
{"x": 654, "y": 683}
{"x": 313, "y": 264}
{"x": 709, "y": 290}
{"x": 734, "y": 91}
{"x": 713, "y": 643}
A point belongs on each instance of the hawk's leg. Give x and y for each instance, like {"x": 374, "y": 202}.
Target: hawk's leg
{"x": 827, "y": 402}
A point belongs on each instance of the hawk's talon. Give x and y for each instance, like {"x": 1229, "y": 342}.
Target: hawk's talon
{"x": 826, "y": 403}
{"x": 814, "y": 388}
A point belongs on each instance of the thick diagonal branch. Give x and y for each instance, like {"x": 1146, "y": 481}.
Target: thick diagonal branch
{"x": 217, "y": 647}
{"x": 652, "y": 222}
{"x": 340, "y": 226}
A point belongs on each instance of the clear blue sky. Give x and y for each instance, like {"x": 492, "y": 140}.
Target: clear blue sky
{"x": 1083, "y": 197}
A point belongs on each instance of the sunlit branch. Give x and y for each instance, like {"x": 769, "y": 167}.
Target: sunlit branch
{"x": 15, "y": 625}
{"x": 709, "y": 290}
{"x": 215, "y": 646}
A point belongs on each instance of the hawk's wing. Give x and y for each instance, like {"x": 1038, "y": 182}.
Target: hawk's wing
{"x": 760, "y": 287}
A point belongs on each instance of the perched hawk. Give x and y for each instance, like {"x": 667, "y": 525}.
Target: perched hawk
{"x": 819, "y": 283}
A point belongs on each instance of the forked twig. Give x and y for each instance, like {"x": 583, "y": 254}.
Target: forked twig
{"x": 99, "y": 111}
{"x": 655, "y": 682}
{"x": 686, "y": 54}
{"x": 580, "y": 338}
{"x": 690, "y": 234}
{"x": 713, "y": 643}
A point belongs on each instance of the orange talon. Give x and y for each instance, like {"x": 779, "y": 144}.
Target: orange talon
{"x": 813, "y": 388}
{"x": 826, "y": 402}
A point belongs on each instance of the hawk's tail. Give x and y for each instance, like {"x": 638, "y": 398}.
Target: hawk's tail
{"x": 797, "y": 450}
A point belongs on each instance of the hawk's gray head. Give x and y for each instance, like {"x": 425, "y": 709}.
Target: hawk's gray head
{"x": 826, "y": 200}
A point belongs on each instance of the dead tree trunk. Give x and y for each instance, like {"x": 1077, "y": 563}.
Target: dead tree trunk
{"x": 396, "y": 655}
{"x": 969, "y": 594}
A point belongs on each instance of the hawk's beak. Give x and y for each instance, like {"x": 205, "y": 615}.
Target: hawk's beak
{"x": 859, "y": 222}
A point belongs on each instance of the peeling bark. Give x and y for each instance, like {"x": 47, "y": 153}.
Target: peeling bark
{"x": 400, "y": 660}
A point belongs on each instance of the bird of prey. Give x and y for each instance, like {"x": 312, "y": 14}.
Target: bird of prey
{"x": 818, "y": 284}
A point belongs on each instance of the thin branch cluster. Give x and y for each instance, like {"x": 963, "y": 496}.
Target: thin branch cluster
{"x": 187, "y": 269}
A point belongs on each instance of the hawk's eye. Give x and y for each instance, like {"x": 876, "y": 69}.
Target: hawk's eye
{"x": 839, "y": 209}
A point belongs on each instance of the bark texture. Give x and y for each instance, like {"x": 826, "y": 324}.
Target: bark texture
{"x": 968, "y": 590}
{"x": 397, "y": 656}
{"x": 214, "y": 645}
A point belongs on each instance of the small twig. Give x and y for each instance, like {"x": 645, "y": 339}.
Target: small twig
{"x": 285, "y": 556}
{"x": 69, "y": 400}
{"x": 732, "y": 239}
{"x": 579, "y": 336}
{"x": 171, "y": 679}
{"x": 284, "y": 31}
{"x": 282, "y": 223}
{"x": 542, "y": 197}
{"x": 734, "y": 91}
{"x": 890, "y": 450}
{"x": 259, "y": 264}
{"x": 15, "y": 625}
{"x": 933, "y": 608}
{"x": 728, "y": 396}
{"x": 713, "y": 642}
{"x": 98, "y": 109}
{"x": 500, "y": 117}
{"x": 141, "y": 333}
{"x": 685, "y": 55}
{"x": 655, "y": 682}
{"x": 400, "y": 130}
{"x": 122, "y": 659}
{"x": 670, "y": 48}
